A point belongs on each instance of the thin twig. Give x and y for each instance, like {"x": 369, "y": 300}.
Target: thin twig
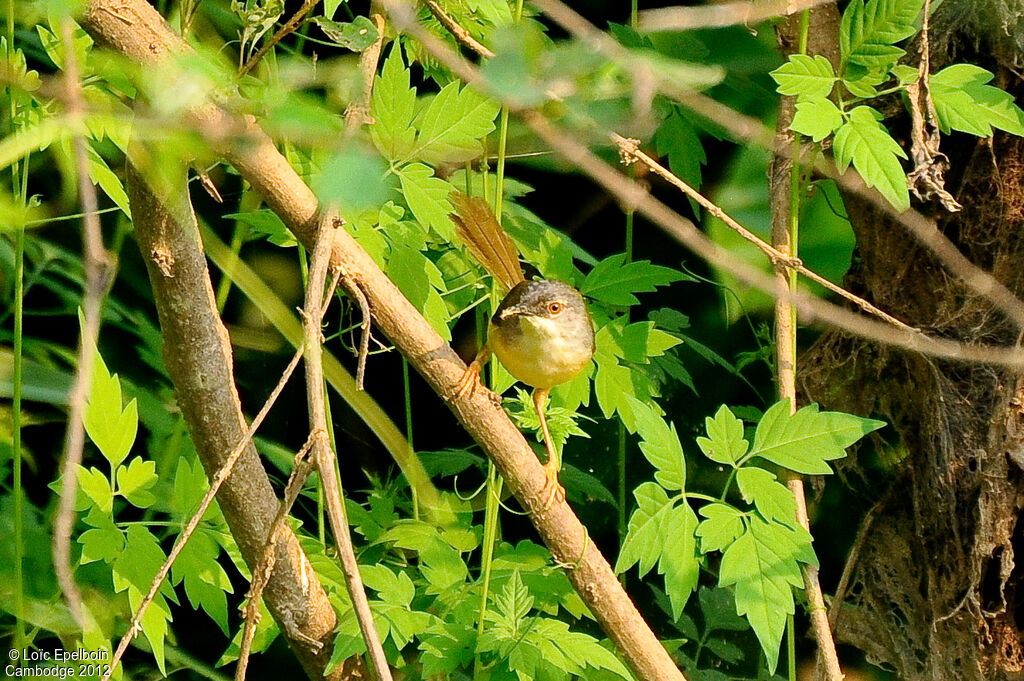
{"x": 352, "y": 287}
{"x": 301, "y": 468}
{"x": 358, "y": 112}
{"x": 97, "y": 266}
{"x": 287, "y": 28}
{"x": 629, "y": 149}
{"x": 193, "y": 522}
{"x": 324, "y": 457}
{"x": 720, "y": 15}
{"x": 458, "y": 32}
{"x": 784, "y": 189}
{"x": 631, "y": 193}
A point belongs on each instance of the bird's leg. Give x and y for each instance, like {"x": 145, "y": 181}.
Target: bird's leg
{"x": 471, "y": 377}
{"x": 540, "y": 398}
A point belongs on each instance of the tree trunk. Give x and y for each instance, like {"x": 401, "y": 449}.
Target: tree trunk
{"x": 936, "y": 590}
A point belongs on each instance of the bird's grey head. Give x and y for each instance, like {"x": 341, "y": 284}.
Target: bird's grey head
{"x": 545, "y": 298}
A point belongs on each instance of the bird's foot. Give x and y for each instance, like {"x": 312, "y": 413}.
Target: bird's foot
{"x": 468, "y": 383}
{"x": 555, "y": 491}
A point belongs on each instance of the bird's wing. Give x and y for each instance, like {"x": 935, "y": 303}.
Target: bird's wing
{"x": 486, "y": 240}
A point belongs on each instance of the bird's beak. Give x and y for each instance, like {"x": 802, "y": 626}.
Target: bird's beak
{"x": 512, "y": 312}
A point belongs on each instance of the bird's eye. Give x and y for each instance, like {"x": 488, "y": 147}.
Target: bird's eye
{"x": 555, "y": 308}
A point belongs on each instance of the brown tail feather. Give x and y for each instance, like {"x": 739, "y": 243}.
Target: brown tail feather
{"x": 486, "y": 240}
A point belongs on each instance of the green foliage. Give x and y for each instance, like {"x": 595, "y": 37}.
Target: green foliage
{"x": 356, "y": 35}
{"x": 869, "y": 36}
{"x": 964, "y": 102}
{"x": 761, "y": 544}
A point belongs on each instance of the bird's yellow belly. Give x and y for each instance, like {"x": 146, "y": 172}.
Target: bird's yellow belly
{"x": 538, "y": 353}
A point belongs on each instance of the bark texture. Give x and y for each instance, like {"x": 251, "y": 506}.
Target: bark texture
{"x": 937, "y": 590}
{"x": 198, "y": 357}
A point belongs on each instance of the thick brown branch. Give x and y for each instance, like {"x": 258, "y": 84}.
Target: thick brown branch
{"x": 198, "y": 358}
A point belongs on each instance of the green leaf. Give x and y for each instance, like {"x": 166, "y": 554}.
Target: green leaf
{"x": 56, "y": 50}
{"x": 725, "y": 650}
{"x": 868, "y": 32}
{"x": 133, "y": 482}
{"x": 391, "y": 587}
{"x": 721, "y": 525}
{"x": 355, "y": 178}
{"x": 110, "y": 427}
{"x": 561, "y": 421}
{"x": 816, "y": 118}
{"x": 96, "y": 487}
{"x": 724, "y": 443}
{"x": 762, "y": 566}
{"x": 614, "y": 281}
{"x": 206, "y": 582}
{"x": 904, "y": 74}
{"x": 636, "y": 342}
{"x": 613, "y": 383}
{"x": 110, "y": 183}
{"x": 806, "y": 440}
{"x": 417, "y": 277}
{"x": 719, "y": 609}
{"x": 660, "y": 444}
{"x": 133, "y": 571}
{"x": 646, "y": 534}
{"x": 393, "y": 108}
{"x": 866, "y": 143}
{"x": 964, "y": 101}
{"x": 427, "y": 197}
{"x": 104, "y": 542}
{"x": 266, "y": 223}
{"x": 452, "y": 125}
{"x": 495, "y": 11}
{"x": 805, "y": 76}
{"x": 356, "y": 35}
{"x": 677, "y": 138}
{"x": 679, "y": 562}
{"x": 772, "y": 498}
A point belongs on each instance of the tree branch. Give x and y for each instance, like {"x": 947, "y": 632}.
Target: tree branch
{"x": 721, "y": 15}
{"x": 198, "y": 358}
{"x": 322, "y": 453}
{"x": 96, "y": 264}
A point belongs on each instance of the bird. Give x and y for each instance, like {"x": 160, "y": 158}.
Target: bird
{"x": 541, "y": 332}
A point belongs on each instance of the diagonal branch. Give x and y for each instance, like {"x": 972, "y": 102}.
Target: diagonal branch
{"x": 629, "y": 150}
